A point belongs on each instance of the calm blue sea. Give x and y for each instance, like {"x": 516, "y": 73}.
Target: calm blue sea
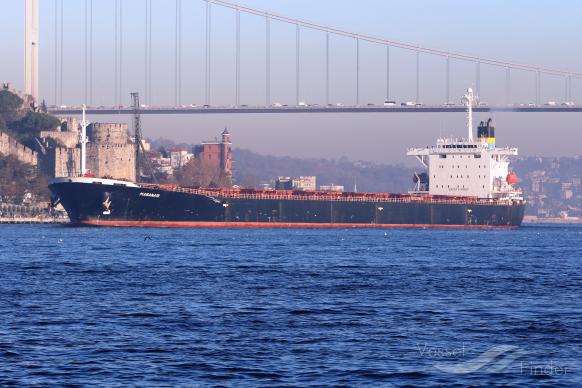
{"x": 153, "y": 307}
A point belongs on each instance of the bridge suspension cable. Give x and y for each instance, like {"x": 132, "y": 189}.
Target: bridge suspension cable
{"x": 302, "y": 68}
{"x": 208, "y": 58}
{"x": 387, "y": 73}
{"x": 393, "y": 43}
{"x": 115, "y": 56}
{"x": 297, "y": 62}
{"x": 267, "y": 61}
{"x": 148, "y": 51}
{"x": 91, "y": 52}
{"x": 178, "y": 54}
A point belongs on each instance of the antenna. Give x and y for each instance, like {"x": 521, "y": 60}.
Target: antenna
{"x": 468, "y": 101}
{"x": 137, "y": 135}
{"x": 83, "y": 140}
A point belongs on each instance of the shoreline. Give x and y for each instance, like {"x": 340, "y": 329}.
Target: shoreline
{"x": 60, "y": 221}
{"x": 32, "y": 220}
{"x": 552, "y": 220}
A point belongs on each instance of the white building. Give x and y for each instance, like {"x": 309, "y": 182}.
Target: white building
{"x": 163, "y": 165}
{"x": 467, "y": 167}
{"x": 179, "y": 158}
{"x": 304, "y": 183}
{"x": 332, "y": 187}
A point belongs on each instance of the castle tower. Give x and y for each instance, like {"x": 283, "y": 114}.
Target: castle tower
{"x": 225, "y": 153}
{"x": 225, "y": 136}
{"x": 31, "y": 48}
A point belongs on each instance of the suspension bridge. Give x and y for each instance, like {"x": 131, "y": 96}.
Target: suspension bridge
{"x": 58, "y": 102}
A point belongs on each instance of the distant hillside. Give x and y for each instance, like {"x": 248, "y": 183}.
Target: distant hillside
{"x": 552, "y": 186}
{"x": 20, "y": 175}
{"x": 20, "y": 121}
{"x": 252, "y": 169}
{"x": 17, "y": 179}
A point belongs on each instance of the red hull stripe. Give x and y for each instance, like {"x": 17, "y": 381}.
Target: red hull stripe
{"x": 277, "y": 225}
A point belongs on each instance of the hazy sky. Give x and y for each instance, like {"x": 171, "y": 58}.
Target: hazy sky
{"x": 540, "y": 32}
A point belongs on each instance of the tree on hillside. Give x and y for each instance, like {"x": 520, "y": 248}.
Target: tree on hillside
{"x": 10, "y": 106}
{"x": 164, "y": 152}
{"x": 196, "y": 174}
{"x": 30, "y": 125}
{"x": 35, "y": 122}
{"x": 17, "y": 178}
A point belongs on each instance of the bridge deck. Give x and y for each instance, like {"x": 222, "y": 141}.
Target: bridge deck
{"x": 315, "y": 109}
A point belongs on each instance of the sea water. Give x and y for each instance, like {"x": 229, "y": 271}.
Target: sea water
{"x": 199, "y": 307}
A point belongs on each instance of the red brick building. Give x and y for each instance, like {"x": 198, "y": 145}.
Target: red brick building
{"x": 216, "y": 155}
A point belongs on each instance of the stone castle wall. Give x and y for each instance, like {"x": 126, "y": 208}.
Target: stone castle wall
{"x": 116, "y": 161}
{"x": 67, "y": 134}
{"x": 9, "y": 146}
{"x": 67, "y": 162}
{"x": 112, "y": 133}
{"x": 67, "y": 139}
{"x": 70, "y": 124}
{"x": 110, "y": 153}
{"x": 103, "y": 160}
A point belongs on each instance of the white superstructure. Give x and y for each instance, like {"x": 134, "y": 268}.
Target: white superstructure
{"x": 467, "y": 167}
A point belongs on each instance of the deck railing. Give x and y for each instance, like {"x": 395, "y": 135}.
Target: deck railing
{"x": 328, "y": 196}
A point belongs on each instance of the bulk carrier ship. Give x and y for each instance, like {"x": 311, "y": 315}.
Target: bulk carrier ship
{"x": 466, "y": 184}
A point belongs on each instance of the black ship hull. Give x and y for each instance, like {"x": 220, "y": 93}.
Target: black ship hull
{"x": 122, "y": 204}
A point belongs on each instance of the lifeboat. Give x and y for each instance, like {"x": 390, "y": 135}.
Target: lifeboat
{"x": 512, "y": 178}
